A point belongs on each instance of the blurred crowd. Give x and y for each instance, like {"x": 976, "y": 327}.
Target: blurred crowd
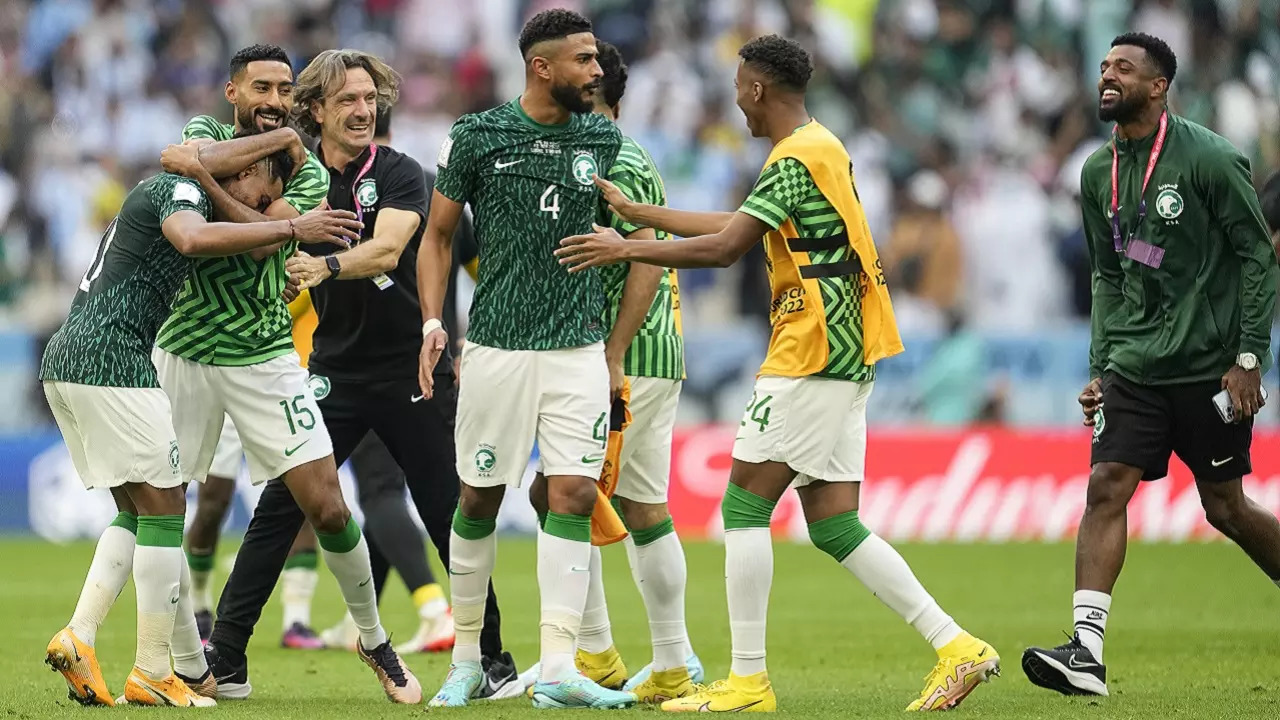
{"x": 967, "y": 120}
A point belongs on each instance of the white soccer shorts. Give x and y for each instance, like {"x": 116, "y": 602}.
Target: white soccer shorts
{"x": 230, "y": 453}
{"x": 816, "y": 426}
{"x": 274, "y": 411}
{"x": 509, "y": 398}
{"x": 645, "y": 475}
{"x": 116, "y": 435}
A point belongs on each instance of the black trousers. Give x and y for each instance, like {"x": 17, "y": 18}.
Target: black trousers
{"x": 419, "y": 435}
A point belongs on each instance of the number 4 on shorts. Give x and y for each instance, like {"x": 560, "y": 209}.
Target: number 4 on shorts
{"x": 759, "y": 409}
{"x": 600, "y": 432}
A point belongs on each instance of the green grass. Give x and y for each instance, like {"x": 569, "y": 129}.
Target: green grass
{"x": 1194, "y": 634}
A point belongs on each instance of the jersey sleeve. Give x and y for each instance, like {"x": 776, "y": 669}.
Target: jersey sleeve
{"x": 405, "y": 187}
{"x": 309, "y": 186}
{"x": 203, "y": 126}
{"x": 632, "y": 184}
{"x": 456, "y": 164}
{"x": 779, "y": 190}
{"x": 171, "y": 194}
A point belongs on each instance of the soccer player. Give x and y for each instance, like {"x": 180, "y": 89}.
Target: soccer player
{"x": 646, "y": 348}
{"x": 533, "y": 365}
{"x": 227, "y": 350}
{"x": 1184, "y": 293}
{"x": 105, "y": 398}
{"x": 806, "y": 423}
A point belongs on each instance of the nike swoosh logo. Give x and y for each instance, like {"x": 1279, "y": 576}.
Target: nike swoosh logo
{"x": 578, "y": 569}
{"x": 499, "y": 165}
{"x": 1220, "y": 463}
{"x": 706, "y": 707}
{"x": 458, "y": 574}
{"x": 984, "y": 652}
{"x": 1072, "y": 662}
{"x": 415, "y": 398}
{"x": 290, "y": 451}
{"x": 591, "y": 460}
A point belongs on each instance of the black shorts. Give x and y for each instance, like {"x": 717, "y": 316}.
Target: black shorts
{"x": 1140, "y": 425}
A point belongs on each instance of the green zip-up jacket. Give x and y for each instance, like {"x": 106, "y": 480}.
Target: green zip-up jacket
{"x": 1214, "y": 294}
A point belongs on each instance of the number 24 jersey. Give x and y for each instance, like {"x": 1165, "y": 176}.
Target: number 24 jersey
{"x": 529, "y": 186}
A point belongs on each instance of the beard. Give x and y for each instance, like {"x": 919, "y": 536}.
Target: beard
{"x": 248, "y": 119}
{"x": 571, "y": 98}
{"x": 1125, "y": 110}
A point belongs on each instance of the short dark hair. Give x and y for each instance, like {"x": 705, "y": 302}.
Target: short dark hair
{"x": 613, "y": 85}
{"x": 551, "y": 25}
{"x": 1270, "y": 197}
{"x": 782, "y": 60}
{"x": 279, "y": 163}
{"x": 1158, "y": 51}
{"x": 254, "y": 53}
{"x": 382, "y": 123}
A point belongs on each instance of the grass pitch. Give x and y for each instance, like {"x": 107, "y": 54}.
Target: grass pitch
{"x": 1194, "y": 633}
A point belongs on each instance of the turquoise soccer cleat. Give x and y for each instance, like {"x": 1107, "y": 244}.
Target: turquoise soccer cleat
{"x": 696, "y": 673}
{"x": 462, "y": 682}
{"x": 576, "y": 691}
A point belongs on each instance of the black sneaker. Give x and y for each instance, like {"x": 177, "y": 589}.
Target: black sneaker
{"x": 204, "y": 624}
{"x": 501, "y": 680}
{"x": 232, "y": 676}
{"x": 1069, "y": 668}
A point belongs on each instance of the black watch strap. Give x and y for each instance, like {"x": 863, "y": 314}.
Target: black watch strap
{"x": 335, "y": 268}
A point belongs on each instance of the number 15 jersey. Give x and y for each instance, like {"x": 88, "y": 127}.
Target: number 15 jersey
{"x": 529, "y": 186}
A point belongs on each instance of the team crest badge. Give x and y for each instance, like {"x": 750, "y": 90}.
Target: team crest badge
{"x": 1169, "y": 204}
{"x": 485, "y": 460}
{"x": 584, "y": 166}
{"x": 1099, "y": 424}
{"x": 173, "y": 454}
{"x": 319, "y": 385}
{"x": 367, "y": 193}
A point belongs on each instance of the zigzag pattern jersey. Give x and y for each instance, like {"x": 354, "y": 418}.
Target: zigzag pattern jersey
{"x": 230, "y": 311}
{"x": 529, "y": 186}
{"x": 785, "y": 189}
{"x": 658, "y": 348}
{"x": 126, "y": 293}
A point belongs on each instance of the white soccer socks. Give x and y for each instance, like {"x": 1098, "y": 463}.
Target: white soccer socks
{"x": 883, "y": 571}
{"x": 564, "y": 572}
{"x": 1090, "y": 610}
{"x": 595, "y": 635}
{"x": 347, "y": 556}
{"x": 109, "y": 571}
{"x": 660, "y": 572}
{"x": 473, "y": 550}
{"x": 298, "y": 587}
{"x": 748, "y": 575}
{"x": 188, "y": 651}
{"x": 157, "y": 577}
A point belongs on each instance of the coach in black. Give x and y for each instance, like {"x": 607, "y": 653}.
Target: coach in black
{"x": 364, "y": 360}
{"x": 1184, "y": 296}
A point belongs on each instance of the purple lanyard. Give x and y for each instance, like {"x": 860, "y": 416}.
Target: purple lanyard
{"x": 355, "y": 185}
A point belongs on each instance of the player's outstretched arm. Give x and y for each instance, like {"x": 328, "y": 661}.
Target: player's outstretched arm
{"x": 606, "y": 247}
{"x": 380, "y": 254}
{"x": 188, "y": 231}
{"x": 683, "y": 223}
{"x": 638, "y": 291}
{"x": 231, "y": 156}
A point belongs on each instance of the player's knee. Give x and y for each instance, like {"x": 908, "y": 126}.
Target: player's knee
{"x": 839, "y": 535}
{"x": 1111, "y": 485}
{"x": 642, "y": 515}
{"x": 477, "y": 502}
{"x": 571, "y": 496}
{"x": 330, "y": 517}
{"x": 538, "y": 495}
{"x": 1223, "y": 512}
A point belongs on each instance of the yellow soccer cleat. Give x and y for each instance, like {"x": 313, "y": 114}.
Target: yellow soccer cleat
{"x": 663, "y": 685}
{"x": 171, "y": 692}
{"x": 78, "y": 663}
{"x": 752, "y": 693}
{"x": 605, "y": 669}
{"x": 963, "y": 664}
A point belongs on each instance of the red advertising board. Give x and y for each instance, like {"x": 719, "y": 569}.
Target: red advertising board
{"x": 987, "y": 485}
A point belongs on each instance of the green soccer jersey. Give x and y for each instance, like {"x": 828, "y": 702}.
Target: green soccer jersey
{"x": 658, "y": 348}
{"x": 126, "y": 293}
{"x": 230, "y": 311}
{"x": 786, "y": 190}
{"x": 529, "y": 186}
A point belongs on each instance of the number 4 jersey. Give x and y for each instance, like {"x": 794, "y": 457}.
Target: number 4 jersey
{"x": 126, "y": 294}
{"x": 529, "y": 186}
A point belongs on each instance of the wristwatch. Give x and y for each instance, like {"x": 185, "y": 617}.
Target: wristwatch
{"x": 1247, "y": 361}
{"x": 334, "y": 266}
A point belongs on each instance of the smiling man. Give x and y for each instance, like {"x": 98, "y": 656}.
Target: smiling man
{"x": 1184, "y": 292}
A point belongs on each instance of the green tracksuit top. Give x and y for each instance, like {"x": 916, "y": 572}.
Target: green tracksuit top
{"x": 1213, "y": 293}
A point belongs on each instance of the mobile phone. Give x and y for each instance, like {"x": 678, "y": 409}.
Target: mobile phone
{"x": 1226, "y": 411}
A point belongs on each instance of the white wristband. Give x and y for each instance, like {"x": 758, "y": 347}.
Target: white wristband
{"x": 432, "y": 324}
